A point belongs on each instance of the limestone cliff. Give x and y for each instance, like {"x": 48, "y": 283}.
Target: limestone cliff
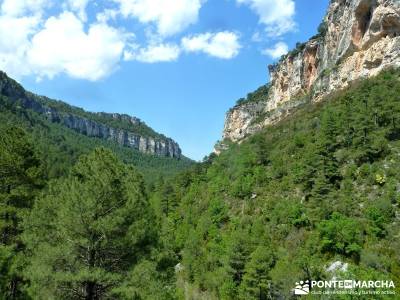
{"x": 129, "y": 131}
{"x": 357, "y": 39}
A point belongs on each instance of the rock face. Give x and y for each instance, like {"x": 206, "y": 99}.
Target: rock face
{"x": 159, "y": 145}
{"x": 357, "y": 39}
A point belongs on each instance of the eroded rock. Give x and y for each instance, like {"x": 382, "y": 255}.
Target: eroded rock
{"x": 160, "y": 146}
{"x": 362, "y": 38}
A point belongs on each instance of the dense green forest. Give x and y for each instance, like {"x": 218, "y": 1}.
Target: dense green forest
{"x": 14, "y": 90}
{"x": 79, "y": 221}
{"x": 321, "y": 186}
{"x": 60, "y": 147}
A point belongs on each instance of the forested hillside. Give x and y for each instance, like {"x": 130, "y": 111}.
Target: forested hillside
{"x": 124, "y": 130}
{"x": 303, "y": 189}
{"x": 317, "y": 190}
{"x": 12, "y": 89}
{"x": 60, "y": 147}
{"x": 87, "y": 235}
{"x": 320, "y": 187}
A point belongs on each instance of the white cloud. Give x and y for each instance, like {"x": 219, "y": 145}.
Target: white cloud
{"x": 276, "y": 15}
{"x": 78, "y": 6}
{"x": 154, "y": 53}
{"x": 17, "y": 8}
{"x": 276, "y": 51}
{"x": 106, "y": 15}
{"x": 15, "y": 43}
{"x": 223, "y": 44}
{"x": 63, "y": 46}
{"x": 170, "y": 17}
{"x": 45, "y": 38}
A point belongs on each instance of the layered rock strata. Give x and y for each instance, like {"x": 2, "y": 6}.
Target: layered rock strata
{"x": 357, "y": 39}
{"x": 146, "y": 144}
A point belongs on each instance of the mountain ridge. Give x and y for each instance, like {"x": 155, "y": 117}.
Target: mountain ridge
{"x": 125, "y": 130}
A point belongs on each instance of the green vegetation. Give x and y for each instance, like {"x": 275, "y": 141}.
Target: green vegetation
{"x": 21, "y": 179}
{"x": 121, "y": 122}
{"x": 291, "y": 54}
{"x": 300, "y": 46}
{"x": 321, "y": 186}
{"x": 298, "y": 49}
{"x": 258, "y": 95}
{"x": 60, "y": 147}
{"x": 11, "y": 88}
{"x": 91, "y": 234}
{"x": 94, "y": 226}
{"x": 322, "y": 30}
{"x": 282, "y": 206}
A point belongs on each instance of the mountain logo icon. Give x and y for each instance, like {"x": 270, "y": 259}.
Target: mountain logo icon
{"x": 302, "y": 288}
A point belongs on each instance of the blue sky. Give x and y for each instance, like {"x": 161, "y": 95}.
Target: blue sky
{"x": 179, "y": 65}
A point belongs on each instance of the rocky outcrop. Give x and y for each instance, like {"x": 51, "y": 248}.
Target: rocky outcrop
{"x": 357, "y": 39}
{"x": 146, "y": 144}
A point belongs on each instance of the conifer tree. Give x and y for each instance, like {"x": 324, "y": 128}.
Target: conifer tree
{"x": 88, "y": 230}
{"x": 238, "y": 252}
{"x": 256, "y": 282}
{"x": 20, "y": 180}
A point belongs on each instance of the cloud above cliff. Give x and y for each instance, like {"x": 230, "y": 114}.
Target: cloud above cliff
{"x": 62, "y": 46}
{"x": 223, "y": 45}
{"x": 33, "y": 43}
{"x": 88, "y": 39}
{"x": 18, "y": 8}
{"x": 276, "y": 15}
{"x": 169, "y": 17}
{"x": 277, "y": 50}
{"x": 154, "y": 53}
{"x": 79, "y": 7}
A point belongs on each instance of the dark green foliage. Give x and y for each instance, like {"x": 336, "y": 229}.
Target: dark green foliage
{"x": 93, "y": 226}
{"x": 292, "y": 53}
{"x": 258, "y": 95}
{"x": 297, "y": 50}
{"x": 146, "y": 281}
{"x": 322, "y": 30}
{"x": 60, "y": 147}
{"x": 13, "y": 90}
{"x": 256, "y": 282}
{"x": 341, "y": 235}
{"x": 21, "y": 178}
{"x": 320, "y": 186}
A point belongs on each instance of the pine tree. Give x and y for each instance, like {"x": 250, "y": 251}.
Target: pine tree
{"x": 167, "y": 199}
{"x": 320, "y": 173}
{"x": 256, "y": 282}
{"x": 88, "y": 230}
{"x": 234, "y": 269}
{"x": 369, "y": 145}
{"x": 20, "y": 180}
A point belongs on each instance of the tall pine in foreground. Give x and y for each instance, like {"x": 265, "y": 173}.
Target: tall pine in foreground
{"x": 88, "y": 231}
{"x": 20, "y": 180}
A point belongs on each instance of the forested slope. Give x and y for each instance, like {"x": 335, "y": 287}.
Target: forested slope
{"x": 314, "y": 197}
{"x": 60, "y": 146}
{"x": 319, "y": 187}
